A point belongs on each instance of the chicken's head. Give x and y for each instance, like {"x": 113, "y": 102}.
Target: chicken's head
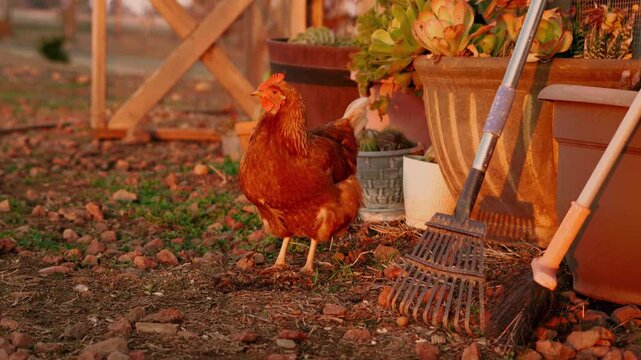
{"x": 272, "y": 93}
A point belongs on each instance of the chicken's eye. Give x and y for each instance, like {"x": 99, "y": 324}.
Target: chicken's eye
{"x": 274, "y": 92}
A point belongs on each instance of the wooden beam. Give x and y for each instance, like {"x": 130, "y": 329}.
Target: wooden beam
{"x": 256, "y": 50}
{"x": 177, "y": 63}
{"x": 297, "y": 17}
{"x": 317, "y": 13}
{"x": 166, "y": 134}
{"x": 98, "y": 59}
{"x": 215, "y": 58}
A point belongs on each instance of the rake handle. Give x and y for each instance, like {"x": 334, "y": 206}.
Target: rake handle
{"x": 499, "y": 111}
{"x": 545, "y": 267}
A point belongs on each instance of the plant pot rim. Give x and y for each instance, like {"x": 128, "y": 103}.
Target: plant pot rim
{"x": 283, "y": 40}
{"x": 390, "y": 152}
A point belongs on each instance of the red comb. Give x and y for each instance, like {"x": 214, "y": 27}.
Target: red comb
{"x": 273, "y": 80}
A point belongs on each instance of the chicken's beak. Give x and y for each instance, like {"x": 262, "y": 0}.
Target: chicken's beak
{"x": 254, "y": 93}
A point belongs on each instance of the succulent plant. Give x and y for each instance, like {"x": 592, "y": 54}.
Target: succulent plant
{"x": 608, "y": 32}
{"x": 443, "y": 27}
{"x": 491, "y": 10}
{"x": 320, "y": 36}
{"x": 387, "y": 139}
{"x": 552, "y": 36}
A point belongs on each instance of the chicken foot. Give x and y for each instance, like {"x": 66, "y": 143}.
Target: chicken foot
{"x": 280, "y": 260}
{"x": 309, "y": 264}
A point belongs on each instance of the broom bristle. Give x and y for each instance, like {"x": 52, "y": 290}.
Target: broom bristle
{"x": 516, "y": 315}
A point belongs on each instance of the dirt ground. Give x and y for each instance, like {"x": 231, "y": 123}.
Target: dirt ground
{"x": 126, "y": 243}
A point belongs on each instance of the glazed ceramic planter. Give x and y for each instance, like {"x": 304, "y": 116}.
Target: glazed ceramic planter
{"x": 517, "y": 200}
{"x": 381, "y": 176}
{"x": 424, "y": 191}
{"x": 319, "y": 73}
{"x": 604, "y": 258}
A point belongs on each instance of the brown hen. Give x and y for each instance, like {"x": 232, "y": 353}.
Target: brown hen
{"x": 302, "y": 181}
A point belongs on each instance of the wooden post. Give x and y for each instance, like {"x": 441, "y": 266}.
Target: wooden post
{"x": 98, "y": 59}
{"x": 177, "y": 63}
{"x": 297, "y": 17}
{"x": 5, "y": 19}
{"x": 256, "y": 44}
{"x": 68, "y": 11}
{"x": 317, "y": 13}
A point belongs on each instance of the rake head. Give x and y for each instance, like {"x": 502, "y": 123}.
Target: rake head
{"x": 443, "y": 282}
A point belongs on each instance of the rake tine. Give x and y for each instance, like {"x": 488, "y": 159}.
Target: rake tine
{"x": 463, "y": 260}
{"x": 412, "y": 289}
{"x": 419, "y": 300}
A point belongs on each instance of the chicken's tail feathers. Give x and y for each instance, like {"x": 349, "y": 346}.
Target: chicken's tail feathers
{"x": 356, "y": 112}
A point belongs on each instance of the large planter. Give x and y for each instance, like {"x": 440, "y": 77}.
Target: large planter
{"x": 319, "y": 73}
{"x": 517, "y": 200}
{"x": 604, "y": 258}
{"x": 381, "y": 176}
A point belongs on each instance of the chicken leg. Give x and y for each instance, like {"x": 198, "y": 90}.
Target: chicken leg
{"x": 280, "y": 260}
{"x": 309, "y": 264}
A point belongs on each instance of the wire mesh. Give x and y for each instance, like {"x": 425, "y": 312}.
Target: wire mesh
{"x": 583, "y": 5}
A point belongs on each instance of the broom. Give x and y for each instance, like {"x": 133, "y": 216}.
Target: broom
{"x": 531, "y": 294}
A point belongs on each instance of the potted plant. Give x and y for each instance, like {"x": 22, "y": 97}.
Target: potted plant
{"x": 315, "y": 62}
{"x": 380, "y": 171}
{"x": 460, "y": 77}
{"x": 383, "y": 68}
{"x": 424, "y": 190}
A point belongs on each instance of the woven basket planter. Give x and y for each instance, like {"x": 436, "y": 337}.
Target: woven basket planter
{"x": 381, "y": 176}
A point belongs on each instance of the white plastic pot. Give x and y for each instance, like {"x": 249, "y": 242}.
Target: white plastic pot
{"x": 424, "y": 190}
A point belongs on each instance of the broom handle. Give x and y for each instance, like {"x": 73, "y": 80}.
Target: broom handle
{"x": 546, "y": 265}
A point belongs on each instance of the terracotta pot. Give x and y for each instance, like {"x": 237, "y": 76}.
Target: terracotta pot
{"x": 604, "y": 258}
{"x": 319, "y": 73}
{"x": 406, "y": 112}
{"x": 517, "y": 200}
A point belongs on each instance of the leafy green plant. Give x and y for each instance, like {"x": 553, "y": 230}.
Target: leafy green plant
{"x": 386, "y": 140}
{"x": 321, "y": 36}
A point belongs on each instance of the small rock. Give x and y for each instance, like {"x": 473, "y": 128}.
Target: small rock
{"x": 545, "y": 333}
{"x": 245, "y": 336}
{"x": 77, "y": 331}
{"x": 256, "y": 236}
{"x": 69, "y": 235}
{"x": 530, "y": 354}
{"x": 402, "y": 321}
{"x": 108, "y": 236}
{"x": 584, "y": 356}
{"x": 95, "y": 211}
{"x": 286, "y": 344}
{"x": 88, "y": 355}
{"x": 292, "y": 335}
{"x": 122, "y": 165}
{"x": 472, "y": 352}
{"x": 81, "y": 288}
{"x": 106, "y": 347}
{"x": 599, "y": 351}
{"x": 9, "y": 324}
{"x": 117, "y": 355}
{"x": 57, "y": 269}
{"x": 593, "y": 318}
{"x": 357, "y": 335}
{"x": 137, "y": 355}
{"x": 613, "y": 354}
{"x": 135, "y": 314}
{"x": 426, "y": 351}
{"x": 385, "y": 253}
{"x": 7, "y": 245}
{"x": 259, "y": 259}
{"x": 580, "y": 340}
{"x": 168, "y": 315}
{"x": 90, "y": 260}
{"x": 144, "y": 263}
{"x": 153, "y": 246}
{"x": 245, "y": 263}
{"x": 47, "y": 347}
{"x": 156, "y": 328}
{"x": 334, "y": 310}
{"x": 554, "y": 350}
{"x": 392, "y": 272}
{"x": 5, "y": 207}
{"x": 52, "y": 259}
{"x": 120, "y": 327}
{"x": 382, "y": 297}
{"x": 124, "y": 195}
{"x": 3, "y": 354}
{"x": 21, "y": 354}
{"x": 605, "y": 334}
{"x": 166, "y": 257}
{"x": 200, "y": 169}
{"x": 74, "y": 254}
{"x": 629, "y": 355}
{"x": 53, "y": 216}
{"x": 250, "y": 209}
{"x": 22, "y": 340}
{"x": 187, "y": 334}
{"x": 95, "y": 247}
{"x": 625, "y": 314}
{"x": 39, "y": 211}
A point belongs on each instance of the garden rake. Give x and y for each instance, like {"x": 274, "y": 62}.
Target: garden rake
{"x": 443, "y": 280}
